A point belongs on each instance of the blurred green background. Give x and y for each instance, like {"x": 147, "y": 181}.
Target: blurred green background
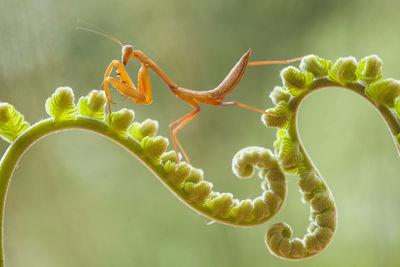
{"x": 79, "y": 200}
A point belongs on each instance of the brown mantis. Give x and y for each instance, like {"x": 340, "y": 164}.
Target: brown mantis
{"x": 143, "y": 94}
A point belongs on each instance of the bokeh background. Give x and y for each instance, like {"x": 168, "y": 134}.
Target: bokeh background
{"x": 77, "y": 199}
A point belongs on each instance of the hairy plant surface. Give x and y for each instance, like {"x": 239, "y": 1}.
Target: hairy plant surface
{"x": 188, "y": 183}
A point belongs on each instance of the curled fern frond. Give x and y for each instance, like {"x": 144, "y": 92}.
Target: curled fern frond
{"x": 197, "y": 192}
{"x": 370, "y": 69}
{"x": 93, "y": 105}
{"x": 245, "y": 160}
{"x": 243, "y": 210}
{"x": 319, "y": 67}
{"x": 384, "y": 92}
{"x": 220, "y": 204}
{"x": 279, "y": 94}
{"x": 363, "y": 78}
{"x": 281, "y": 118}
{"x": 344, "y": 70}
{"x": 177, "y": 173}
{"x": 288, "y": 151}
{"x": 170, "y": 156}
{"x": 322, "y": 220}
{"x": 274, "y": 183}
{"x": 188, "y": 183}
{"x": 148, "y": 128}
{"x": 120, "y": 121}
{"x": 12, "y": 123}
{"x": 295, "y": 80}
{"x": 154, "y": 147}
{"x": 195, "y": 176}
{"x": 61, "y": 105}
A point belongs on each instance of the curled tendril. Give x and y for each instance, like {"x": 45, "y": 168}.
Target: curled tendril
{"x": 188, "y": 183}
{"x": 364, "y": 78}
{"x": 141, "y": 139}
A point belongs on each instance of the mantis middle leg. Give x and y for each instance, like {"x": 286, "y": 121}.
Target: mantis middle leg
{"x": 180, "y": 123}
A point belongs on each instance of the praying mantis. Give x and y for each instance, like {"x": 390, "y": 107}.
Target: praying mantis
{"x": 142, "y": 94}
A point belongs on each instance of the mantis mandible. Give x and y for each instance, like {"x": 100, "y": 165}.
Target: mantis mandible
{"x": 143, "y": 94}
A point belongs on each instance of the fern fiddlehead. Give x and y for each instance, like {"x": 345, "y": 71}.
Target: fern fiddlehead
{"x": 185, "y": 181}
{"x": 363, "y": 78}
{"x": 188, "y": 183}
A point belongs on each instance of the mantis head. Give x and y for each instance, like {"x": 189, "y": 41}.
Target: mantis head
{"x": 127, "y": 52}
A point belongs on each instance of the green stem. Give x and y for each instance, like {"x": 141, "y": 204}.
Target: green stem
{"x": 390, "y": 118}
{"x": 16, "y": 150}
{"x": 221, "y": 207}
{"x": 323, "y": 219}
{"x": 234, "y": 212}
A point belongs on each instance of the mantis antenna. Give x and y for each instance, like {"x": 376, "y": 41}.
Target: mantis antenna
{"x": 98, "y": 31}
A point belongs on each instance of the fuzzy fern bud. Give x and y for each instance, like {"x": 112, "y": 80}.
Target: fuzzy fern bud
{"x": 281, "y": 118}
{"x": 195, "y": 176}
{"x": 279, "y": 244}
{"x": 120, "y": 121}
{"x": 370, "y": 69}
{"x": 220, "y": 204}
{"x": 198, "y": 192}
{"x": 327, "y": 218}
{"x": 384, "y": 92}
{"x": 154, "y": 147}
{"x": 321, "y": 201}
{"x": 177, "y": 173}
{"x": 344, "y": 70}
{"x": 288, "y": 152}
{"x": 273, "y": 185}
{"x": 296, "y": 80}
{"x": 93, "y": 105}
{"x": 317, "y": 66}
{"x": 61, "y": 105}
{"x": 242, "y": 211}
{"x": 279, "y": 94}
{"x": 12, "y": 123}
{"x": 309, "y": 181}
{"x": 170, "y": 156}
{"x": 244, "y": 161}
{"x": 140, "y": 130}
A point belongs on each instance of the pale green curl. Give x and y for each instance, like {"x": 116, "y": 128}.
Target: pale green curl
{"x": 188, "y": 183}
{"x": 363, "y": 78}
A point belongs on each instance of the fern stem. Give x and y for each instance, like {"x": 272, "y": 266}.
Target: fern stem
{"x": 187, "y": 183}
{"x": 388, "y": 115}
{"x": 43, "y": 128}
{"x": 320, "y": 232}
{"x": 16, "y": 150}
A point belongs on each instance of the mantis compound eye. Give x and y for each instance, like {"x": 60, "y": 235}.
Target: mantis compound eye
{"x": 127, "y": 52}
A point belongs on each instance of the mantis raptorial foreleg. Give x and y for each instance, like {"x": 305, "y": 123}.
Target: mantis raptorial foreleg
{"x": 125, "y": 86}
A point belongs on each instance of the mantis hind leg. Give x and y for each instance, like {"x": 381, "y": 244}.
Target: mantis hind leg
{"x": 273, "y": 62}
{"x": 180, "y": 123}
{"x": 234, "y": 103}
